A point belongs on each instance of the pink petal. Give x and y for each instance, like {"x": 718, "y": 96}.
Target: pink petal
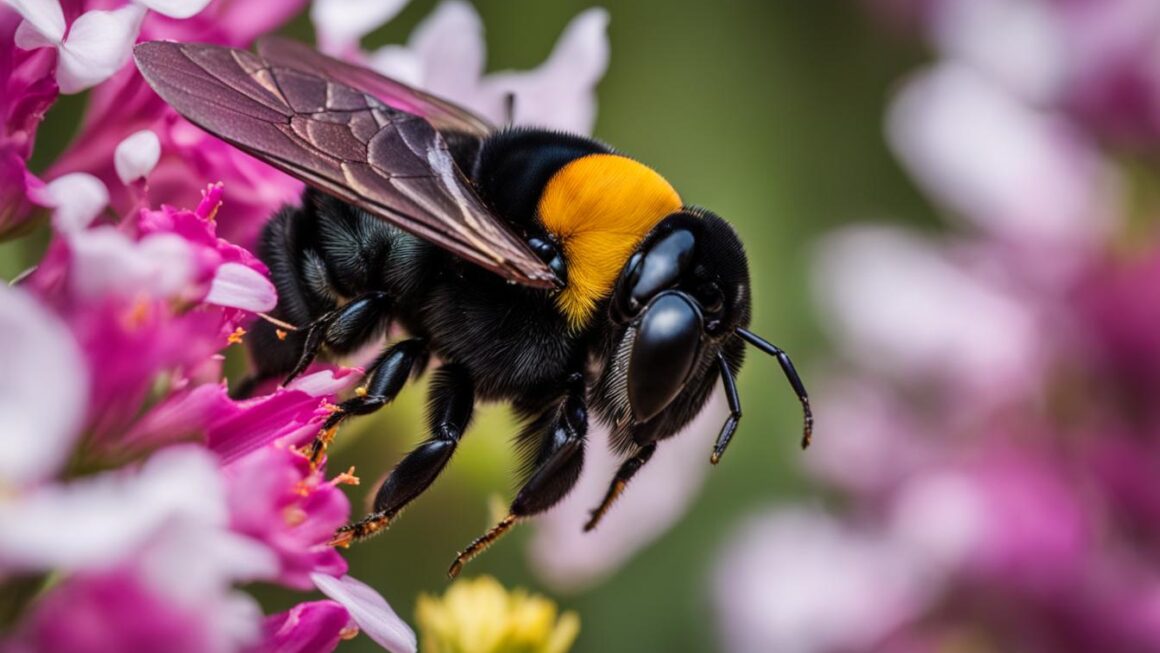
{"x": 313, "y": 627}
{"x": 42, "y": 392}
{"x": 239, "y": 286}
{"x": 340, "y": 24}
{"x": 175, "y": 8}
{"x": 77, "y": 198}
{"x": 98, "y": 45}
{"x": 45, "y": 16}
{"x": 370, "y": 611}
{"x": 137, "y": 155}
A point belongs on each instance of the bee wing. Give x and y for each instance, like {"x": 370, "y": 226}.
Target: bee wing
{"x": 344, "y": 142}
{"x": 443, "y": 115}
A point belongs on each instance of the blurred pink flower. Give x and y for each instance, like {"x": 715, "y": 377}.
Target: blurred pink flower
{"x": 992, "y": 409}
{"x": 446, "y": 53}
{"x": 1096, "y": 62}
{"x": 799, "y": 581}
{"x": 570, "y": 559}
{"x": 27, "y": 92}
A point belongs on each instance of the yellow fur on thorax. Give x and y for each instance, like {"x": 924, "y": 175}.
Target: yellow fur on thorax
{"x": 599, "y": 207}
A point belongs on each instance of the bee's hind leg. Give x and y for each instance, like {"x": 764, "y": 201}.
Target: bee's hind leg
{"x": 557, "y": 466}
{"x": 452, "y": 402}
{"x": 385, "y": 378}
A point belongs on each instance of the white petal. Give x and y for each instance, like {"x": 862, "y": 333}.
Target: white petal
{"x": 1018, "y": 172}
{"x": 450, "y": 44}
{"x": 243, "y": 287}
{"x": 27, "y": 37}
{"x": 1019, "y": 43}
{"x": 176, "y": 8}
{"x": 370, "y": 611}
{"x": 43, "y": 390}
{"x": 325, "y": 382}
{"x": 137, "y": 155}
{"x": 106, "y": 262}
{"x": 902, "y": 306}
{"x": 98, "y": 44}
{"x": 560, "y": 94}
{"x": 77, "y": 198}
{"x": 398, "y": 62}
{"x": 45, "y": 16}
{"x": 798, "y": 580}
{"x": 340, "y": 24}
{"x": 97, "y": 520}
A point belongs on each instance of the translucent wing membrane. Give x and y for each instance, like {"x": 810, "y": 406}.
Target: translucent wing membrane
{"x": 343, "y": 141}
{"x": 443, "y": 115}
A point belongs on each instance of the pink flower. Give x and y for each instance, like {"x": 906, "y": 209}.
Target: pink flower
{"x": 310, "y": 627}
{"x": 251, "y": 191}
{"x": 276, "y": 498}
{"x": 123, "y": 294}
{"x": 27, "y": 92}
{"x": 446, "y": 56}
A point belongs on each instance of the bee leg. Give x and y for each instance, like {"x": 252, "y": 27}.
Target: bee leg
{"x": 623, "y": 475}
{"x": 557, "y": 468}
{"x": 387, "y": 376}
{"x": 343, "y": 328}
{"x": 730, "y": 425}
{"x": 453, "y": 399}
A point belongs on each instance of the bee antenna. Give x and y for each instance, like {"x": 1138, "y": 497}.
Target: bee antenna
{"x": 791, "y": 375}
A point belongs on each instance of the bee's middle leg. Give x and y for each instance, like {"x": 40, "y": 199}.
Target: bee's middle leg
{"x": 452, "y": 403}
{"x": 557, "y": 468}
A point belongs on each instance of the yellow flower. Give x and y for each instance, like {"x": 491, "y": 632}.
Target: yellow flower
{"x": 479, "y": 616}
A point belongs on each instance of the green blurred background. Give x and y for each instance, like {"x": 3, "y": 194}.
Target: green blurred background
{"x": 770, "y": 113}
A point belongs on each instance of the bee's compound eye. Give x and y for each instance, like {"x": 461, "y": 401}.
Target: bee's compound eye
{"x": 547, "y": 251}
{"x": 710, "y": 297}
{"x": 653, "y": 270}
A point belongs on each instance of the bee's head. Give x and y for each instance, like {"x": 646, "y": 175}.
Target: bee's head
{"x": 684, "y": 291}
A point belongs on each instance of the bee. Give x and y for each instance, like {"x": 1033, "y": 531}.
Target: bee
{"x": 540, "y": 268}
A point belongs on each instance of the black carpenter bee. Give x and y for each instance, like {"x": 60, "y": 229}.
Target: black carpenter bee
{"x": 543, "y": 269}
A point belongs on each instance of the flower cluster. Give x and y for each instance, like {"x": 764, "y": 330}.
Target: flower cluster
{"x": 138, "y": 499}
{"x": 992, "y": 424}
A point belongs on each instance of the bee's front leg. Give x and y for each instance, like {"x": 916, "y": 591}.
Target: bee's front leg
{"x": 385, "y": 378}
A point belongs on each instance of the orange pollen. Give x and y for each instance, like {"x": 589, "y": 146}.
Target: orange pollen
{"x": 280, "y": 333}
{"x": 236, "y": 337}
